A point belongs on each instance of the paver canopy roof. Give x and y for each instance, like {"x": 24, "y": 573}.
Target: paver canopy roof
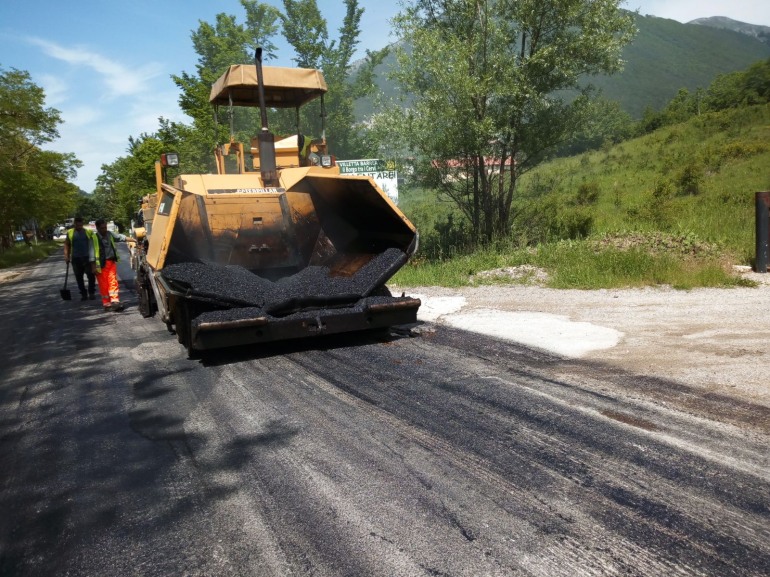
{"x": 284, "y": 87}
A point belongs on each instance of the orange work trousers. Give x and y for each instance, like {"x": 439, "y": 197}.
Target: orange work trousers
{"x": 108, "y": 283}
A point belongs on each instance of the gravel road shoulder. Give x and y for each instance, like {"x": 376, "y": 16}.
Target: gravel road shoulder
{"x": 713, "y": 339}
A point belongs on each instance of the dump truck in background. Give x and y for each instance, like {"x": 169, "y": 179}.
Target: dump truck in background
{"x": 278, "y": 247}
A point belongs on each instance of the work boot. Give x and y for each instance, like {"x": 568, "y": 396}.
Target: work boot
{"x": 91, "y": 296}
{"x": 117, "y": 306}
{"x": 107, "y": 308}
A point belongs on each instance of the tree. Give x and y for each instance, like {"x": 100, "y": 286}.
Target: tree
{"x": 230, "y": 42}
{"x": 89, "y": 207}
{"x": 486, "y": 78}
{"x": 681, "y": 108}
{"x": 725, "y": 92}
{"x": 756, "y": 83}
{"x": 226, "y": 42}
{"x": 34, "y": 184}
{"x": 305, "y": 29}
{"x": 125, "y": 181}
{"x": 605, "y": 123}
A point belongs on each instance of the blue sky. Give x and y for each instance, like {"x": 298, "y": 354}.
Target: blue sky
{"x": 106, "y": 65}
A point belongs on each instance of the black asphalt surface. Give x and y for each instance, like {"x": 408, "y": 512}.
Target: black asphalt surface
{"x": 428, "y": 453}
{"x": 236, "y": 285}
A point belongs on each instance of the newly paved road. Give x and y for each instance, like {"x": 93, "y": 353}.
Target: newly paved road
{"x": 437, "y": 454}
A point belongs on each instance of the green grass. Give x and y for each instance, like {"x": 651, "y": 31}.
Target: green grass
{"x": 22, "y": 254}
{"x": 694, "y": 178}
{"x": 581, "y": 266}
{"x": 675, "y": 207}
{"x": 577, "y": 265}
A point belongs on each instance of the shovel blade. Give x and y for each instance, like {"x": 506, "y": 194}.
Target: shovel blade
{"x": 66, "y": 294}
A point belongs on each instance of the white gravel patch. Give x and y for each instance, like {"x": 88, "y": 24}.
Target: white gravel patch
{"x": 556, "y": 333}
{"x": 717, "y": 340}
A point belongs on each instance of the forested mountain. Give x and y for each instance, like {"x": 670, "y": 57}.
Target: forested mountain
{"x": 667, "y": 55}
{"x": 664, "y": 56}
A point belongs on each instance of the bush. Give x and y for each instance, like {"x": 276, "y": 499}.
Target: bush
{"x": 690, "y": 179}
{"x": 587, "y": 194}
{"x": 743, "y": 149}
{"x": 448, "y": 238}
{"x": 575, "y": 224}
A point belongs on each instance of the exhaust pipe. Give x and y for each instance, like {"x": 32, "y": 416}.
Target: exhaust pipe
{"x": 266, "y": 140}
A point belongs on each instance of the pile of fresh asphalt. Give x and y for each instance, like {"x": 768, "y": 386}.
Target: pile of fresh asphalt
{"x": 241, "y": 294}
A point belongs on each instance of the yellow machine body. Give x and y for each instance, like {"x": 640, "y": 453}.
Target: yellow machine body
{"x": 279, "y": 224}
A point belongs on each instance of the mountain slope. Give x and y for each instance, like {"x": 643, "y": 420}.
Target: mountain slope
{"x": 667, "y": 55}
{"x": 664, "y": 56}
{"x": 756, "y": 30}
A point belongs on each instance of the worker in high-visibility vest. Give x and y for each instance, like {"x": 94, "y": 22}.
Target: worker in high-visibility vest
{"x": 106, "y": 265}
{"x": 79, "y": 252}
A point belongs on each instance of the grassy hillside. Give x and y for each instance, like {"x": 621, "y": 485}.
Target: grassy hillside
{"x": 694, "y": 178}
{"x": 664, "y": 57}
{"x": 673, "y": 207}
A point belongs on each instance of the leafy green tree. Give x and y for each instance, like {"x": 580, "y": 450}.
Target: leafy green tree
{"x": 605, "y": 123}
{"x": 756, "y": 83}
{"x": 89, "y": 207}
{"x": 227, "y": 42}
{"x": 486, "y": 78}
{"x": 305, "y": 28}
{"x": 681, "y": 108}
{"x": 734, "y": 90}
{"x": 218, "y": 46}
{"x": 124, "y": 182}
{"x": 34, "y": 184}
{"x": 651, "y": 121}
{"x": 725, "y": 92}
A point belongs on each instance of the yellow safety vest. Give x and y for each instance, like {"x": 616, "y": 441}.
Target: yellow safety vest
{"x": 98, "y": 247}
{"x": 71, "y": 233}
{"x": 304, "y": 148}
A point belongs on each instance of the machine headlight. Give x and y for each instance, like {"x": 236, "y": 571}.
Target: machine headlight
{"x": 169, "y": 159}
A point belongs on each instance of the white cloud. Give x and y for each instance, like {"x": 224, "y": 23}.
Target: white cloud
{"x": 55, "y": 89}
{"x": 80, "y": 116}
{"x": 103, "y": 102}
{"x": 120, "y": 79}
{"x": 99, "y": 135}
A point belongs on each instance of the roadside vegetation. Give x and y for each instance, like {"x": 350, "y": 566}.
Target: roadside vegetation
{"x": 573, "y": 264}
{"x": 673, "y": 206}
{"x": 24, "y": 253}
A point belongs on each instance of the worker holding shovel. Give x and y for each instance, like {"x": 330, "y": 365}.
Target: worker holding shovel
{"x": 79, "y": 250}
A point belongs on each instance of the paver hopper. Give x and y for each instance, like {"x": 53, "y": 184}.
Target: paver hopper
{"x": 283, "y": 246}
